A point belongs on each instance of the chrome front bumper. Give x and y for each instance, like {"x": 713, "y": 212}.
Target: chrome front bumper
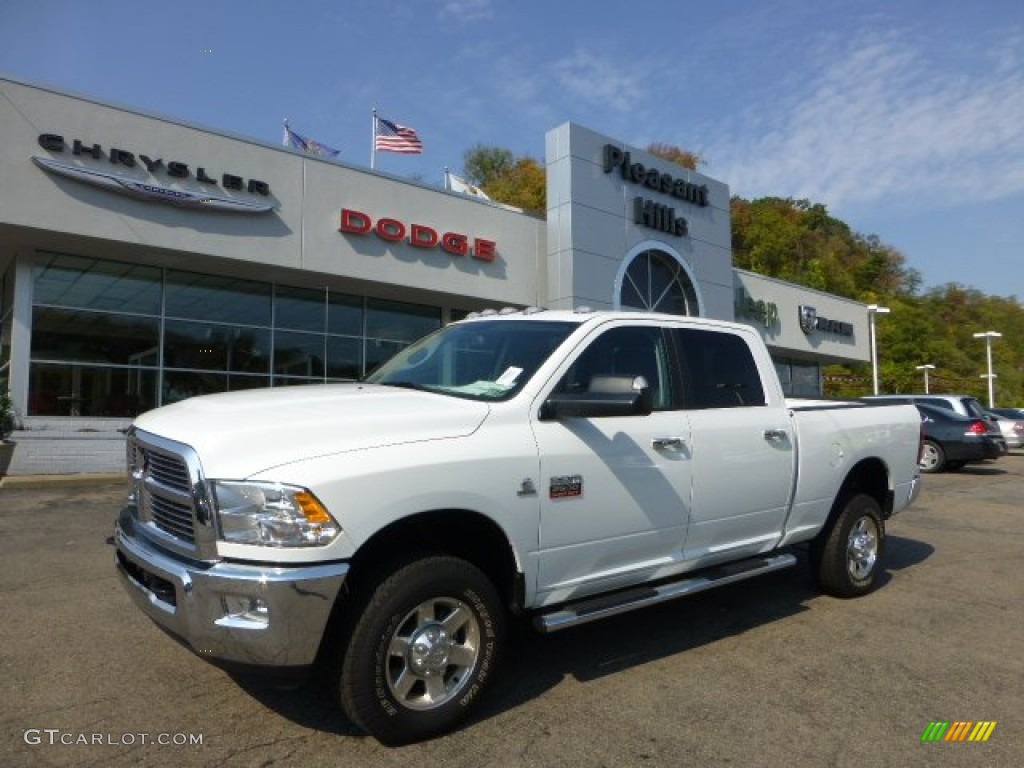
{"x": 260, "y": 615}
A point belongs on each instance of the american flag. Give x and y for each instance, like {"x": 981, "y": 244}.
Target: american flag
{"x": 392, "y": 137}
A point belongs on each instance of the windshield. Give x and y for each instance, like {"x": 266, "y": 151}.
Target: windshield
{"x": 488, "y": 360}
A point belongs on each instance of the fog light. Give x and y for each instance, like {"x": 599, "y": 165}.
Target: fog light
{"x": 244, "y": 611}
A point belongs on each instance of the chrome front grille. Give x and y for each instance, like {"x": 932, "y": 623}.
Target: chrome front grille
{"x": 168, "y": 488}
{"x": 168, "y": 470}
{"x": 173, "y": 517}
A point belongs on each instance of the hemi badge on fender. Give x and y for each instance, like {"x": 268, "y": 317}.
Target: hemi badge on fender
{"x": 565, "y": 486}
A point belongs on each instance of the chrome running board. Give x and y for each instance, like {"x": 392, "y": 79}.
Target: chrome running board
{"x": 594, "y": 608}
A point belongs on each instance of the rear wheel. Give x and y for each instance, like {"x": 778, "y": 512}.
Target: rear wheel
{"x": 847, "y": 560}
{"x": 423, "y": 650}
{"x": 933, "y": 457}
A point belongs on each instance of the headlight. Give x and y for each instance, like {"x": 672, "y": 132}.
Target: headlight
{"x": 271, "y": 515}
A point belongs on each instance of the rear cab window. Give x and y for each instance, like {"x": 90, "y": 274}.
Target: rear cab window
{"x": 718, "y": 370}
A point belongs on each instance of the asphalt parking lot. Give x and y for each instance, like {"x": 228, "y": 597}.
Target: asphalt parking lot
{"x": 763, "y": 673}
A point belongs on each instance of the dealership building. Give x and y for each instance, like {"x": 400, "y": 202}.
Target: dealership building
{"x": 144, "y": 260}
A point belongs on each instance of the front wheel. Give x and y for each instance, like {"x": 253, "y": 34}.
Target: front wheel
{"x": 423, "y": 650}
{"x": 848, "y": 558}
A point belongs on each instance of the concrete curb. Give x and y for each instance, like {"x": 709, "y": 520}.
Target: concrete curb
{"x": 55, "y": 481}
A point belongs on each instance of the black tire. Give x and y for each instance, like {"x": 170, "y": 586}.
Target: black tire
{"x": 933, "y": 457}
{"x": 847, "y": 557}
{"x": 423, "y": 650}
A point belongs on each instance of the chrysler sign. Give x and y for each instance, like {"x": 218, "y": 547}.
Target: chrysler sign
{"x": 132, "y": 184}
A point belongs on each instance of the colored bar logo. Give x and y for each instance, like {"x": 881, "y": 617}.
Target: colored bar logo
{"x": 958, "y": 730}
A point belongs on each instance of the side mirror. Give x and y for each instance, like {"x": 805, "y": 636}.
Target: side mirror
{"x": 607, "y": 395}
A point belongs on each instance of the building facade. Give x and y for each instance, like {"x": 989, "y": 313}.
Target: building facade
{"x": 144, "y": 260}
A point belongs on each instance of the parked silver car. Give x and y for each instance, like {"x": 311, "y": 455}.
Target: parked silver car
{"x": 1012, "y": 429}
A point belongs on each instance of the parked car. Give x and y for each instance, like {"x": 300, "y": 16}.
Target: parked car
{"x": 1011, "y": 427}
{"x": 1011, "y": 413}
{"x": 949, "y": 440}
{"x": 965, "y": 405}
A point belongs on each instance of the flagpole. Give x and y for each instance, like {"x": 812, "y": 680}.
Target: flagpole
{"x": 373, "y": 141}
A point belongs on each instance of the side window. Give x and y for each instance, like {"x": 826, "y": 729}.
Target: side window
{"x": 938, "y": 403}
{"x": 718, "y": 370}
{"x": 636, "y": 351}
{"x": 973, "y": 408}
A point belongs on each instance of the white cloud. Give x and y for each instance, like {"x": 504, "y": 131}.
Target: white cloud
{"x": 468, "y": 10}
{"x": 595, "y": 79}
{"x": 881, "y": 120}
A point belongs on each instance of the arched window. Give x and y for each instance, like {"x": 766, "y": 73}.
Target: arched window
{"x": 655, "y": 281}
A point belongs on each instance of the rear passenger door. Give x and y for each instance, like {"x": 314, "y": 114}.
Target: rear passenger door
{"x": 742, "y": 453}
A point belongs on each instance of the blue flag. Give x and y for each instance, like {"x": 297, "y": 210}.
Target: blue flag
{"x": 293, "y": 139}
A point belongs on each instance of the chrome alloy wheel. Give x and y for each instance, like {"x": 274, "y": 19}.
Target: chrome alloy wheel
{"x": 862, "y": 548}
{"x": 432, "y": 653}
{"x": 929, "y": 457}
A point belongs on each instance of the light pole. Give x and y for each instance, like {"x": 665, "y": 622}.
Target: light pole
{"x": 926, "y": 367}
{"x": 874, "y": 309}
{"x": 988, "y": 336}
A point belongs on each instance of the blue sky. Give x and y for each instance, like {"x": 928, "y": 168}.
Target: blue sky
{"x": 904, "y": 117}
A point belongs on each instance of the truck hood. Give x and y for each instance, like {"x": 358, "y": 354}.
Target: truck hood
{"x": 239, "y": 434}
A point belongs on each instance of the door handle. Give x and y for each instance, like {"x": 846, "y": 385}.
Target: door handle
{"x": 775, "y": 435}
{"x": 668, "y": 442}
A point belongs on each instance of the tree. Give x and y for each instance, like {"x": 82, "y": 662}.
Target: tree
{"x": 482, "y": 165}
{"x": 518, "y": 181}
{"x": 677, "y": 155}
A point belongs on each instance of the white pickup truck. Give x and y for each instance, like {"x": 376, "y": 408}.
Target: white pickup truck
{"x": 562, "y": 466}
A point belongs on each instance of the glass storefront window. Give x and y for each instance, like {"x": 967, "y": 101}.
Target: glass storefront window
{"x": 806, "y": 380}
{"x": 80, "y": 390}
{"x": 300, "y": 309}
{"x": 151, "y": 336}
{"x": 345, "y": 314}
{"x": 217, "y": 299}
{"x": 92, "y": 337}
{"x": 298, "y": 354}
{"x": 210, "y": 347}
{"x": 73, "y": 281}
{"x": 343, "y": 357}
{"x": 799, "y": 379}
{"x": 397, "y": 321}
{"x": 6, "y": 318}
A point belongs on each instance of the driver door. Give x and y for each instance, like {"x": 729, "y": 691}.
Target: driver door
{"x": 615, "y": 491}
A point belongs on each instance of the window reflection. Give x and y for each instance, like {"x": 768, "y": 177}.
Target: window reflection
{"x": 216, "y": 347}
{"x": 221, "y": 299}
{"x": 301, "y": 309}
{"x": 298, "y": 354}
{"x": 97, "y": 337}
{"x": 73, "y": 281}
{"x": 79, "y": 390}
{"x": 344, "y": 357}
{"x": 115, "y": 339}
{"x": 344, "y": 314}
